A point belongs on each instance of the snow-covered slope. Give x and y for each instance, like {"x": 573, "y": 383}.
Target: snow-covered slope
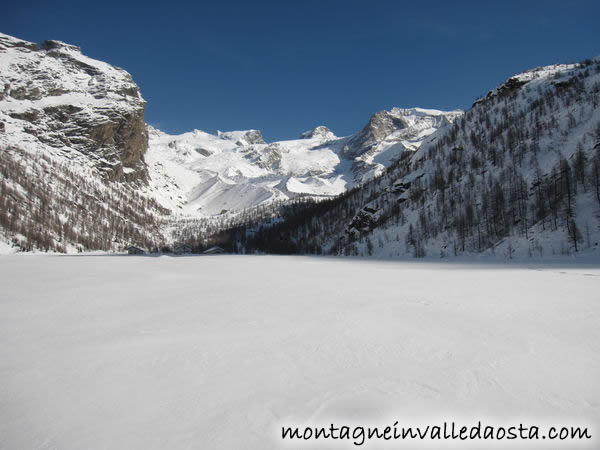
{"x": 201, "y": 174}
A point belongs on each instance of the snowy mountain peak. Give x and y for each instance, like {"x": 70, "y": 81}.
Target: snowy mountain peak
{"x": 405, "y": 126}
{"x": 321, "y": 132}
{"x": 243, "y": 137}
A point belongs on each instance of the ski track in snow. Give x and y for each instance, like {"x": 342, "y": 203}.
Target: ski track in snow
{"x": 218, "y": 352}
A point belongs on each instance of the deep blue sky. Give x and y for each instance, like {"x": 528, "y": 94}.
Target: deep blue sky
{"x": 284, "y": 67}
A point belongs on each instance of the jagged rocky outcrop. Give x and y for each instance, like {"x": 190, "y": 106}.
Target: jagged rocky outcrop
{"x": 54, "y": 97}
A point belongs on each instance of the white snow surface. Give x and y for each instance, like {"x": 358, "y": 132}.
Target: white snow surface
{"x": 220, "y": 351}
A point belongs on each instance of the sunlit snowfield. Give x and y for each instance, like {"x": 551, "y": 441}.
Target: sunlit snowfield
{"x": 217, "y": 352}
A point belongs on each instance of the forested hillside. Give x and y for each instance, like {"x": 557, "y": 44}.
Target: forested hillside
{"x": 46, "y": 205}
{"x": 518, "y": 174}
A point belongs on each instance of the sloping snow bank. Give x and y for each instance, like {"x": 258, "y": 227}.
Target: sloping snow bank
{"x": 217, "y": 352}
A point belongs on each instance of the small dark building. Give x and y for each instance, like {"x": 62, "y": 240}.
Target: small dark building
{"x": 183, "y": 249}
{"x": 132, "y": 250}
{"x": 214, "y": 251}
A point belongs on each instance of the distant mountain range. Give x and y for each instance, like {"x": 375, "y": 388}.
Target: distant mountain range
{"x": 80, "y": 169}
{"x": 202, "y": 174}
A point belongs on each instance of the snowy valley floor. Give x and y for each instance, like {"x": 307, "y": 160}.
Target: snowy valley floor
{"x": 218, "y": 352}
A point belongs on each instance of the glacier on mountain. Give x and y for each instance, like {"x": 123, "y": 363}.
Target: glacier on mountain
{"x": 201, "y": 174}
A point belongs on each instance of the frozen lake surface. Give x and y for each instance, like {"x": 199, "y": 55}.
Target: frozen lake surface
{"x": 218, "y": 352}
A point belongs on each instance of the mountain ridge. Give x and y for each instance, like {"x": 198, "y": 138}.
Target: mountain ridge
{"x": 522, "y": 162}
{"x": 318, "y": 164}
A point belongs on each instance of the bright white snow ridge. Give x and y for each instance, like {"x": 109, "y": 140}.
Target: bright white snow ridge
{"x": 201, "y": 174}
{"x": 220, "y": 352}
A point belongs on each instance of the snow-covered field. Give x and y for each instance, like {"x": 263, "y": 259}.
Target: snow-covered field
{"x": 219, "y": 352}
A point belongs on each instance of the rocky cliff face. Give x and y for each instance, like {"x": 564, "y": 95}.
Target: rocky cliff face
{"x": 52, "y": 97}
